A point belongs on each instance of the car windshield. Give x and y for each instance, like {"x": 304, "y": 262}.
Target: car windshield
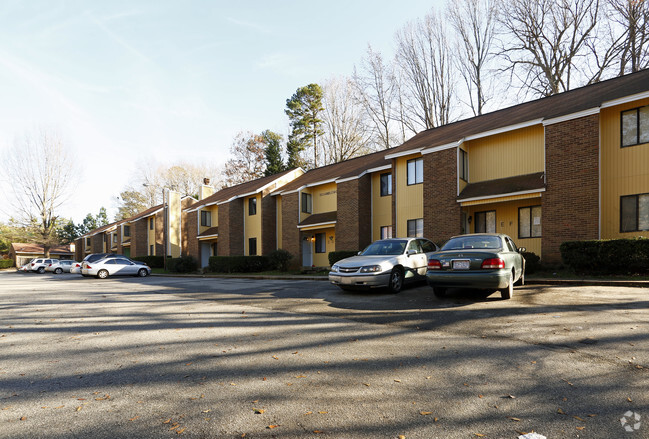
{"x": 469, "y": 242}
{"x": 393, "y": 247}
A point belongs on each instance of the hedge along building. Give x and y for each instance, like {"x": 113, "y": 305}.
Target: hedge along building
{"x": 571, "y": 166}
{"x": 235, "y": 221}
{"x": 343, "y": 206}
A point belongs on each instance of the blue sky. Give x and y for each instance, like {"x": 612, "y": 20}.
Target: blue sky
{"x": 124, "y": 81}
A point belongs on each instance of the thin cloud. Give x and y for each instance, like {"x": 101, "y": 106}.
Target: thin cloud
{"x": 119, "y": 40}
{"x": 249, "y": 25}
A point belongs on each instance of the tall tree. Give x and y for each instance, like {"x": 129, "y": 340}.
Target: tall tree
{"x": 304, "y": 110}
{"x": 92, "y": 222}
{"x": 248, "y": 159}
{"x": 545, "y": 41}
{"x": 425, "y": 59}
{"x": 632, "y": 16}
{"x": 475, "y": 24}
{"x": 68, "y": 233}
{"x": 41, "y": 169}
{"x": 273, "y": 152}
{"x": 346, "y": 129}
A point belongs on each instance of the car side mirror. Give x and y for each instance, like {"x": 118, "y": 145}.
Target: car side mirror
{"x": 522, "y": 249}
{"x": 359, "y": 253}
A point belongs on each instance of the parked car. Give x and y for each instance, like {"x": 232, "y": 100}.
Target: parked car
{"x": 481, "y": 260}
{"x": 384, "y": 263}
{"x": 25, "y": 267}
{"x": 38, "y": 265}
{"x": 114, "y": 266}
{"x": 60, "y": 266}
{"x": 93, "y": 257}
{"x": 75, "y": 268}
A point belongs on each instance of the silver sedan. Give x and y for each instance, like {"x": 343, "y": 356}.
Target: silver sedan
{"x": 114, "y": 266}
{"x": 385, "y": 263}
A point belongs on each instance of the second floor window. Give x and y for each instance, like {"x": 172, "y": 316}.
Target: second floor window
{"x": 151, "y": 223}
{"x": 206, "y": 218}
{"x": 635, "y": 126}
{"x": 88, "y": 242}
{"x": 415, "y": 171}
{"x": 464, "y": 165}
{"x": 307, "y": 203}
{"x": 252, "y": 206}
{"x": 127, "y": 231}
{"x": 114, "y": 237}
{"x": 386, "y": 184}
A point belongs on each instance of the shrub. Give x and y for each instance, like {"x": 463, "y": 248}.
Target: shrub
{"x": 341, "y": 254}
{"x": 6, "y": 263}
{"x": 617, "y": 256}
{"x": 151, "y": 261}
{"x": 279, "y": 259}
{"x": 238, "y": 264}
{"x": 183, "y": 264}
{"x": 532, "y": 262}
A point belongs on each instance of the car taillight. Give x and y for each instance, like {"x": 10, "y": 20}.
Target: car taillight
{"x": 88, "y": 266}
{"x": 50, "y": 265}
{"x": 493, "y": 263}
{"x": 434, "y": 264}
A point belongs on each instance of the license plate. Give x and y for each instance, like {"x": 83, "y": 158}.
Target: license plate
{"x": 461, "y": 265}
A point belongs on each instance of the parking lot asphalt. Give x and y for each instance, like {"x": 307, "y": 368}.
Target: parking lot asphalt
{"x": 224, "y": 358}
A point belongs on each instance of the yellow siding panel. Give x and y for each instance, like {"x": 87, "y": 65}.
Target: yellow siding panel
{"x": 252, "y": 224}
{"x": 410, "y": 199}
{"x": 322, "y": 259}
{"x": 624, "y": 171}
{"x": 508, "y": 154}
{"x": 324, "y": 198}
{"x": 381, "y": 207}
{"x": 507, "y": 221}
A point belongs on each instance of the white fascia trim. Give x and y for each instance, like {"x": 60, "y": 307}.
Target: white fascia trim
{"x": 511, "y": 194}
{"x": 517, "y": 126}
{"x": 208, "y": 236}
{"x": 317, "y": 183}
{"x": 404, "y": 153}
{"x": 202, "y": 206}
{"x": 147, "y": 215}
{"x": 626, "y": 99}
{"x": 571, "y": 116}
{"x": 356, "y": 177}
{"x": 317, "y": 224}
{"x": 380, "y": 168}
{"x": 442, "y": 147}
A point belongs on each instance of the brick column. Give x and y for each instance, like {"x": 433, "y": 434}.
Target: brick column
{"x": 353, "y": 221}
{"x": 570, "y": 204}
{"x": 290, "y": 233}
{"x": 268, "y": 223}
{"x": 189, "y": 234}
{"x": 139, "y": 232}
{"x": 442, "y": 212}
{"x": 231, "y": 228}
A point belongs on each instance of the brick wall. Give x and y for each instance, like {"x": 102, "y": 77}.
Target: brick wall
{"x": 139, "y": 232}
{"x": 231, "y": 228}
{"x": 353, "y": 221}
{"x": 78, "y": 249}
{"x": 268, "y": 223}
{"x": 570, "y": 204}
{"x": 442, "y": 213}
{"x": 290, "y": 233}
{"x": 97, "y": 243}
{"x": 159, "y": 225}
{"x": 189, "y": 235}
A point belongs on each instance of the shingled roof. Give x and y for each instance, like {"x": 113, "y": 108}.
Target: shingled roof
{"x": 20, "y": 247}
{"x": 563, "y": 104}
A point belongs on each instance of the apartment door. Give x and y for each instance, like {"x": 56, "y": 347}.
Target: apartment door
{"x": 206, "y": 252}
{"x": 307, "y": 253}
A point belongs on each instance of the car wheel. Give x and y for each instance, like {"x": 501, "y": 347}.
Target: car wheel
{"x": 508, "y": 291}
{"x": 58, "y": 271}
{"x": 142, "y": 272}
{"x": 102, "y": 274}
{"x": 40, "y": 270}
{"x": 439, "y": 292}
{"x": 396, "y": 281}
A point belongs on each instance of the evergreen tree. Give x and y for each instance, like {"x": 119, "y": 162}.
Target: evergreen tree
{"x": 303, "y": 109}
{"x": 273, "y": 151}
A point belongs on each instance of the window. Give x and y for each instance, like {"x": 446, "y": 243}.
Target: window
{"x": 114, "y": 237}
{"x": 386, "y": 232}
{"x": 206, "y": 218}
{"x": 252, "y": 206}
{"x": 151, "y": 251}
{"x": 88, "y": 242}
{"x": 464, "y": 165}
{"x": 414, "y": 246}
{"x": 415, "y": 171}
{"x": 634, "y": 213}
{"x": 416, "y": 228}
{"x": 252, "y": 246}
{"x": 386, "y": 184}
{"x": 151, "y": 223}
{"x": 307, "y": 206}
{"x": 635, "y": 126}
{"x": 320, "y": 243}
{"x": 427, "y": 246}
{"x": 529, "y": 222}
{"x": 127, "y": 231}
{"x": 485, "y": 222}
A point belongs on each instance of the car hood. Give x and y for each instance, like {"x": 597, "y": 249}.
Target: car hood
{"x": 359, "y": 261}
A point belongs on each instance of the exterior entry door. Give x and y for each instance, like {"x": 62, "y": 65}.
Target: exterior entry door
{"x": 307, "y": 253}
{"x": 205, "y": 254}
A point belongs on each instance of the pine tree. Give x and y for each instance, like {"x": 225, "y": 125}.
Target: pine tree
{"x": 303, "y": 110}
{"x": 273, "y": 151}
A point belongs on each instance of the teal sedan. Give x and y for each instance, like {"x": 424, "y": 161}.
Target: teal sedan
{"x": 481, "y": 260}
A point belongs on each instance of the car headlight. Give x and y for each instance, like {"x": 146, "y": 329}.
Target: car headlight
{"x": 334, "y": 268}
{"x": 371, "y": 269}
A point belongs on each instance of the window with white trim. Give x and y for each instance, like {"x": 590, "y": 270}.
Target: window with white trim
{"x": 386, "y": 184}
{"x": 416, "y": 228}
{"x": 307, "y": 203}
{"x": 529, "y": 222}
{"x": 206, "y": 218}
{"x": 635, "y": 126}
{"x": 415, "y": 171}
{"x": 464, "y": 165}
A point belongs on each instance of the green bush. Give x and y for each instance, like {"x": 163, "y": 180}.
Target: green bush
{"x": 239, "y": 264}
{"x": 279, "y": 259}
{"x": 618, "y": 256}
{"x": 341, "y": 254}
{"x": 532, "y": 262}
{"x": 151, "y": 261}
{"x": 183, "y": 264}
{"x": 6, "y": 263}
